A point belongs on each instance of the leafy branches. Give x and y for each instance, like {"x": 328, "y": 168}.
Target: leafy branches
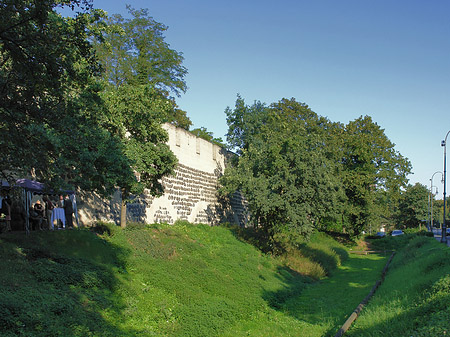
{"x": 283, "y": 171}
{"x": 299, "y": 171}
{"x": 47, "y": 84}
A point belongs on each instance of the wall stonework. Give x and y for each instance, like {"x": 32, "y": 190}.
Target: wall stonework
{"x": 190, "y": 194}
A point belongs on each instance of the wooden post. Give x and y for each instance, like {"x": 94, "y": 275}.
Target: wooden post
{"x": 123, "y": 210}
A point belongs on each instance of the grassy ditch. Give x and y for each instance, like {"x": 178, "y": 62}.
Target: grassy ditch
{"x": 415, "y": 296}
{"x": 179, "y": 280}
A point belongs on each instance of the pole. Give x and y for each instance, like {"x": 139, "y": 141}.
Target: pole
{"x": 431, "y": 193}
{"x": 444, "y": 227}
{"x": 429, "y": 214}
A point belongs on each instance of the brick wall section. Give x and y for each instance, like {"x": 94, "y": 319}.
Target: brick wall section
{"x": 191, "y": 194}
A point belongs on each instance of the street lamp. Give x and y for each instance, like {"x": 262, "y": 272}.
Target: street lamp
{"x": 444, "y": 232}
{"x": 431, "y": 191}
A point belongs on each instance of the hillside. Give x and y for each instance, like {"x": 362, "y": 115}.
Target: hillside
{"x": 179, "y": 280}
{"x": 415, "y": 296}
{"x": 160, "y": 280}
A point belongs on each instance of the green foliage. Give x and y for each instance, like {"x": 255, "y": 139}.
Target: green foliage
{"x": 207, "y": 135}
{"x": 47, "y": 74}
{"x": 133, "y": 51}
{"x": 372, "y": 172}
{"x": 139, "y": 72}
{"x": 438, "y": 211}
{"x": 300, "y": 171}
{"x": 243, "y": 122}
{"x": 283, "y": 171}
{"x": 413, "y": 206}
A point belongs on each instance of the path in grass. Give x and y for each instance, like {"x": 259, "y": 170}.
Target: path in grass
{"x": 325, "y": 306}
{"x": 322, "y": 307}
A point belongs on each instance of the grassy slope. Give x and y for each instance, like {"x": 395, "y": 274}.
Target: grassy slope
{"x": 180, "y": 280}
{"x": 321, "y": 308}
{"x": 414, "y": 299}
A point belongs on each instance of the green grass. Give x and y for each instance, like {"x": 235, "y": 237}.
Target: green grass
{"x": 321, "y": 308}
{"x": 179, "y": 280}
{"x": 415, "y": 296}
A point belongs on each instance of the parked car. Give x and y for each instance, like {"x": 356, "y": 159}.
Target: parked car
{"x": 397, "y": 232}
{"x": 381, "y": 234}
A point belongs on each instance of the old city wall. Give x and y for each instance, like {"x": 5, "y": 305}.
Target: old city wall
{"x": 191, "y": 194}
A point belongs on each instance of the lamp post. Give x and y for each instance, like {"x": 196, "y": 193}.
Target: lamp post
{"x": 431, "y": 197}
{"x": 430, "y": 228}
{"x": 444, "y": 232}
{"x": 431, "y": 191}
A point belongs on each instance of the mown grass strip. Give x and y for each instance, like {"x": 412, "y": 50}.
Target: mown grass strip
{"x": 354, "y": 315}
{"x": 413, "y": 300}
{"x": 319, "y": 308}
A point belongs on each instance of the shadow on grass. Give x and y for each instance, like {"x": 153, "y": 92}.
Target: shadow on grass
{"x": 329, "y": 302}
{"x": 413, "y": 300}
{"x": 294, "y": 283}
{"x": 60, "y": 284}
{"x": 329, "y": 260}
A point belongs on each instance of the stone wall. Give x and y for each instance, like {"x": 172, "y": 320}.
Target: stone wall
{"x": 191, "y": 194}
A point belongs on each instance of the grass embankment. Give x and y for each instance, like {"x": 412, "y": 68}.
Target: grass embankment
{"x": 414, "y": 299}
{"x": 180, "y": 280}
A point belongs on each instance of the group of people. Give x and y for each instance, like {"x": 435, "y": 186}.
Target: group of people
{"x": 41, "y": 213}
{"x": 13, "y": 212}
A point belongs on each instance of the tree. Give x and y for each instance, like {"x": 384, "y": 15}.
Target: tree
{"x": 438, "y": 210}
{"x": 283, "y": 171}
{"x": 203, "y": 133}
{"x": 140, "y": 73}
{"x": 47, "y": 85}
{"x": 133, "y": 52}
{"x": 357, "y": 159}
{"x": 243, "y": 123}
{"x": 371, "y": 167}
{"x": 413, "y": 206}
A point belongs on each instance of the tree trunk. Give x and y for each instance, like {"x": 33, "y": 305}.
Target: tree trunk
{"x": 123, "y": 211}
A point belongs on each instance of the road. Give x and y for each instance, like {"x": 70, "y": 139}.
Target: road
{"x": 437, "y": 234}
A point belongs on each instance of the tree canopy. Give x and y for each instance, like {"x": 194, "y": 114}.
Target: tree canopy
{"x": 203, "y": 133}
{"x": 372, "y": 172}
{"x": 283, "y": 170}
{"x": 140, "y": 72}
{"x": 413, "y": 206}
{"x": 133, "y": 52}
{"x": 300, "y": 172}
{"x": 83, "y": 97}
{"x": 47, "y": 82}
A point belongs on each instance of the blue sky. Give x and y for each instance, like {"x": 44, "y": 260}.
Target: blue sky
{"x": 386, "y": 59}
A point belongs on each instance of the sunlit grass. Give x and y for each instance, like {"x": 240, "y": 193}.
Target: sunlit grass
{"x": 414, "y": 298}
{"x": 197, "y": 280}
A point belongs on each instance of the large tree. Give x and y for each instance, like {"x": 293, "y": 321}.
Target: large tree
{"x": 371, "y": 167}
{"x": 47, "y": 87}
{"x": 284, "y": 170}
{"x": 141, "y": 72}
{"x": 133, "y": 52}
{"x": 413, "y": 206}
{"x": 299, "y": 170}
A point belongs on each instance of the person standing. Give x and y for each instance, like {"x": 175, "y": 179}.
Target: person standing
{"x": 68, "y": 211}
{"x": 48, "y": 211}
{"x": 37, "y": 215}
{"x": 60, "y": 202}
